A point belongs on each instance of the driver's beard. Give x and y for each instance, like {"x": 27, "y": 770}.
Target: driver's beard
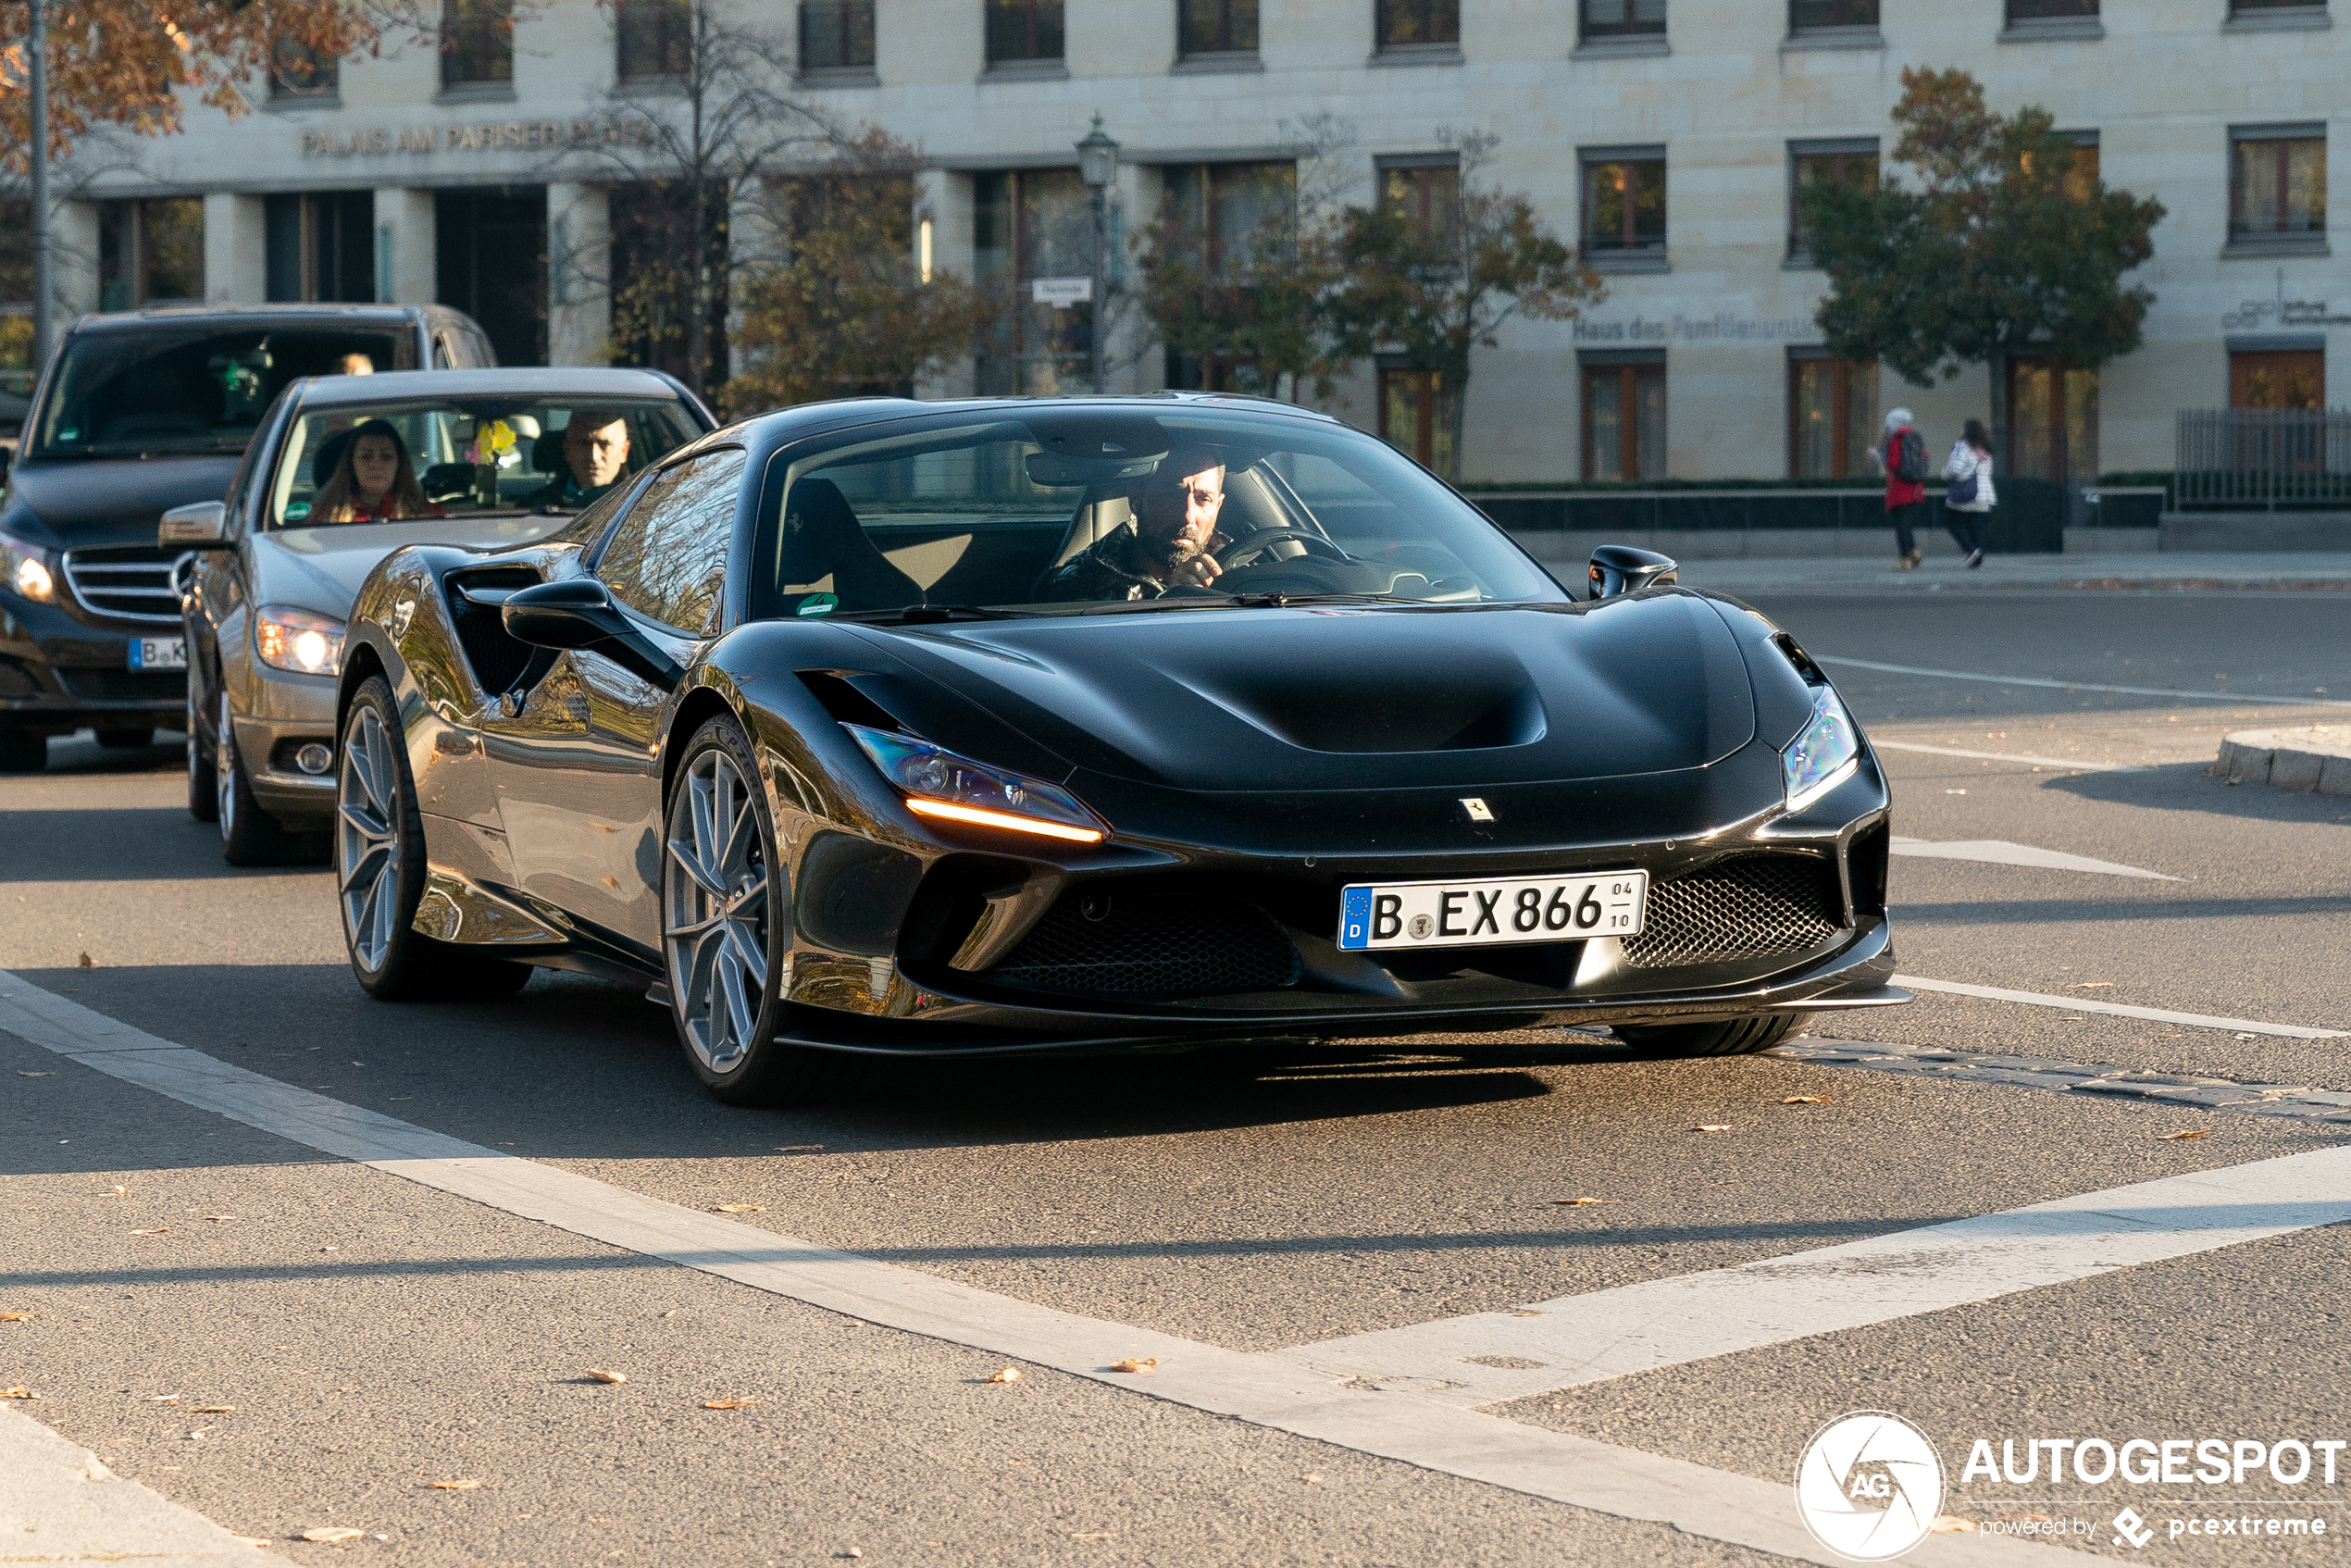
{"x": 1167, "y": 552}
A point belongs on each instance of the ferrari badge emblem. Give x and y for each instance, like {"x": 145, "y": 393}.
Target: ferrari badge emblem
{"x": 1478, "y": 810}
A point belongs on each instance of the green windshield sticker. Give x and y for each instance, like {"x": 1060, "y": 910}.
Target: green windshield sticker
{"x": 297, "y": 511}
{"x": 819, "y": 604}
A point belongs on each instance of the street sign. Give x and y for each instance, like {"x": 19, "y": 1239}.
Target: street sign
{"x": 1062, "y": 293}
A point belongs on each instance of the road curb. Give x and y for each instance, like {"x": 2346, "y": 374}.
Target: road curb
{"x": 2313, "y": 761}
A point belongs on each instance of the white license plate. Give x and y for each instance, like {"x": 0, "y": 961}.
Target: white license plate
{"x": 1479, "y": 913}
{"x": 158, "y": 652}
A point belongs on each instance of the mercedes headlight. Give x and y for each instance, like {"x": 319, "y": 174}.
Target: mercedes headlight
{"x": 28, "y": 570}
{"x": 1824, "y": 754}
{"x": 938, "y": 783}
{"x": 301, "y": 641}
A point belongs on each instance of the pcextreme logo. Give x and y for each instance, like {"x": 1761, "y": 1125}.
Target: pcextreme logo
{"x": 1870, "y": 1486}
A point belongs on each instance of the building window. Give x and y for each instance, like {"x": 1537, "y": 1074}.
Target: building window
{"x": 2240, "y": 7}
{"x": 1624, "y": 419}
{"x": 2050, "y": 10}
{"x": 1220, "y": 215}
{"x": 2278, "y": 379}
{"x": 1817, "y": 15}
{"x": 477, "y": 42}
{"x": 1023, "y": 31}
{"x": 1419, "y": 24}
{"x": 298, "y": 71}
{"x": 2053, "y": 421}
{"x": 1424, "y": 191}
{"x": 1623, "y": 19}
{"x": 1623, "y": 201}
{"x": 1028, "y": 224}
{"x": 490, "y": 260}
{"x": 1852, "y": 163}
{"x": 2277, "y": 183}
{"x": 150, "y": 250}
{"x": 837, "y": 35}
{"x": 1416, "y": 417}
{"x": 1216, "y": 27}
{"x": 655, "y": 38}
{"x": 2081, "y": 179}
{"x": 320, "y": 248}
{"x": 1832, "y": 409}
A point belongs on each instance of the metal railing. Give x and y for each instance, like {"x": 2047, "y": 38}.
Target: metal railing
{"x": 2263, "y": 457}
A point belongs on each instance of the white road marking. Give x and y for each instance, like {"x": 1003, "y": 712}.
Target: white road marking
{"x": 2000, "y": 851}
{"x": 2241, "y": 699}
{"x": 1276, "y": 1391}
{"x": 1659, "y": 1322}
{"x": 2118, "y": 1010}
{"x": 2066, "y": 763}
{"x": 60, "y": 1504}
{"x": 2296, "y": 1101}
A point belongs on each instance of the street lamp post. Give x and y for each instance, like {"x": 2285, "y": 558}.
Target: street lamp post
{"x": 37, "y": 74}
{"x": 1098, "y": 166}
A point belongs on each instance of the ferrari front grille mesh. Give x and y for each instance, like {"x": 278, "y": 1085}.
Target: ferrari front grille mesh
{"x": 1752, "y": 906}
{"x": 1132, "y": 944}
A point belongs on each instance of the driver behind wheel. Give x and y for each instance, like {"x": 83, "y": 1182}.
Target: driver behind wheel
{"x": 1171, "y": 543}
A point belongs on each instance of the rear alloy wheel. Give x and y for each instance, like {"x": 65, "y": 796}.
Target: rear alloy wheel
{"x": 379, "y": 871}
{"x": 249, "y": 836}
{"x": 726, "y": 931}
{"x": 1738, "y": 1036}
{"x": 23, "y": 751}
{"x": 204, "y": 789}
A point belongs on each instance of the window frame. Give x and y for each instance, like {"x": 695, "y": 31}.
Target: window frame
{"x": 2241, "y": 236}
{"x": 283, "y": 93}
{"x": 1628, "y": 30}
{"x": 1626, "y": 257}
{"x": 1628, "y": 365}
{"x": 666, "y": 17}
{"x": 2245, "y": 357}
{"x": 1385, "y": 16}
{"x": 1845, "y": 463}
{"x": 1799, "y": 254}
{"x": 1842, "y": 28}
{"x": 1227, "y": 48}
{"x": 1432, "y": 420}
{"x": 1034, "y": 12}
{"x": 494, "y": 23}
{"x": 848, "y": 11}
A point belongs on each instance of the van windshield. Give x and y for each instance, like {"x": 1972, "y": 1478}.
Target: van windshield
{"x": 190, "y": 389}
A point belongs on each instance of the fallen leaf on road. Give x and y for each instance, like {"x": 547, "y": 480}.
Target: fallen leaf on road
{"x": 741, "y": 1209}
{"x": 217, "y": 1219}
{"x": 86, "y": 962}
{"x": 163, "y": 1399}
{"x": 159, "y": 1230}
{"x": 18, "y": 1393}
{"x": 328, "y": 1538}
{"x": 1314, "y": 1480}
{"x": 728, "y": 1404}
{"x": 1134, "y": 1364}
{"x": 18, "y": 1317}
{"x": 2091, "y": 986}
{"x": 116, "y": 1193}
{"x": 1806, "y": 1100}
{"x": 1948, "y": 1525}
{"x": 2176, "y": 1137}
{"x": 1579, "y": 1202}
{"x": 1714, "y": 1126}
{"x": 1526, "y": 1314}
{"x": 452, "y": 1485}
{"x": 601, "y": 1375}
{"x": 1005, "y": 1375}
{"x": 215, "y": 1409}
{"x": 1093, "y": 1535}
{"x": 255, "y": 1540}
{"x": 23, "y": 1074}
{"x": 330, "y": 1249}
{"x": 199, "y": 1433}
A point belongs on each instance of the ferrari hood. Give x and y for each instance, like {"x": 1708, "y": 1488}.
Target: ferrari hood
{"x": 1341, "y": 698}
{"x": 321, "y": 568}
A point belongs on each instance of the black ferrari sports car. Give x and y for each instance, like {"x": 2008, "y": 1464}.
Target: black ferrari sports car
{"x": 1093, "y": 726}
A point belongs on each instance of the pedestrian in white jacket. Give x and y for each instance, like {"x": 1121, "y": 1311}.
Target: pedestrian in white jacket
{"x": 1970, "y": 495}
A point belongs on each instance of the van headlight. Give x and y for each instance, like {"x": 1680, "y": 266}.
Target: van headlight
{"x": 28, "y": 570}
{"x": 300, "y": 642}
{"x": 1826, "y": 753}
{"x": 938, "y": 783}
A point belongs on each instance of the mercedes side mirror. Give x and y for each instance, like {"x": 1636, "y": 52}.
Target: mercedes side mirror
{"x": 579, "y": 614}
{"x": 1619, "y": 568}
{"x": 201, "y": 525}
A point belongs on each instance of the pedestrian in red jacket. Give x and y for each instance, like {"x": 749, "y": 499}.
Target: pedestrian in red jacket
{"x": 1903, "y": 456}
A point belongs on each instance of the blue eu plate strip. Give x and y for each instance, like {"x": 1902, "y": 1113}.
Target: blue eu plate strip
{"x": 1355, "y": 918}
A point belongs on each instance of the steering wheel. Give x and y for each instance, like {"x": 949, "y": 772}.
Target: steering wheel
{"x": 1253, "y": 545}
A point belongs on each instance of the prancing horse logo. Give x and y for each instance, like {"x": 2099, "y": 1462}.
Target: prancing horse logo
{"x": 1478, "y": 810}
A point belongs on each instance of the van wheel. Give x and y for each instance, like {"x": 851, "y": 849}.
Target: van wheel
{"x": 23, "y": 752}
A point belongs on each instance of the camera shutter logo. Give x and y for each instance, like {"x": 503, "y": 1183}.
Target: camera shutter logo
{"x": 1869, "y": 1485}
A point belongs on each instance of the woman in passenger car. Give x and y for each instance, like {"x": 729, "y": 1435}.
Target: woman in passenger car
{"x": 374, "y": 482}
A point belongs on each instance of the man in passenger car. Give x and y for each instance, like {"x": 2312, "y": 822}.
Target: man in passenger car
{"x": 1171, "y": 543}
{"x": 595, "y": 458}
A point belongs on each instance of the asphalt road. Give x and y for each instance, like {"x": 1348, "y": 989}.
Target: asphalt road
{"x": 373, "y": 1335}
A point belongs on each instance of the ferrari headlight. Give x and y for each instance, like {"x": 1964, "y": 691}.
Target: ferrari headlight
{"x": 26, "y": 568}
{"x": 299, "y": 640}
{"x": 939, "y": 783}
{"x": 1824, "y": 754}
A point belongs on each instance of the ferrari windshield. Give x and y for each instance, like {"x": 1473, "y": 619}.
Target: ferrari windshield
{"x": 1070, "y": 510}
{"x": 129, "y": 393}
{"x": 361, "y": 463}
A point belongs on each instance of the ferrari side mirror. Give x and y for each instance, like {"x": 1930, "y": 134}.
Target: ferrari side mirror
{"x": 199, "y": 526}
{"x": 579, "y": 614}
{"x": 1619, "y": 568}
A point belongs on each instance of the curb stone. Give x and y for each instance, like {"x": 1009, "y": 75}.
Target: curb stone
{"x": 2312, "y": 761}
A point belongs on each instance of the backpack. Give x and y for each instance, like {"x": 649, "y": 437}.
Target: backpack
{"x": 1910, "y": 457}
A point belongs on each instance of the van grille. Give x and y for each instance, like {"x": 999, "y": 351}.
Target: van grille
{"x": 131, "y": 582}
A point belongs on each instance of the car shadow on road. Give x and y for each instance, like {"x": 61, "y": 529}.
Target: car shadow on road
{"x": 2190, "y": 786}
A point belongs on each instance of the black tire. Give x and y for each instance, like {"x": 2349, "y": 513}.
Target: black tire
{"x": 23, "y": 751}
{"x": 731, "y": 906}
{"x": 1738, "y": 1036}
{"x": 249, "y": 836}
{"x": 380, "y": 834}
{"x": 126, "y": 740}
{"x": 204, "y": 785}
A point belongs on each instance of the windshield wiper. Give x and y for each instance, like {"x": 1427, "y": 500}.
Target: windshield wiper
{"x": 1268, "y": 601}
{"x": 922, "y": 615}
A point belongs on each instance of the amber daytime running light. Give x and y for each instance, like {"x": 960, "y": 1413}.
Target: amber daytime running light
{"x": 938, "y": 783}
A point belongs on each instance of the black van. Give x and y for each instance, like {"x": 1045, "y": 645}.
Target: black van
{"x": 137, "y": 413}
